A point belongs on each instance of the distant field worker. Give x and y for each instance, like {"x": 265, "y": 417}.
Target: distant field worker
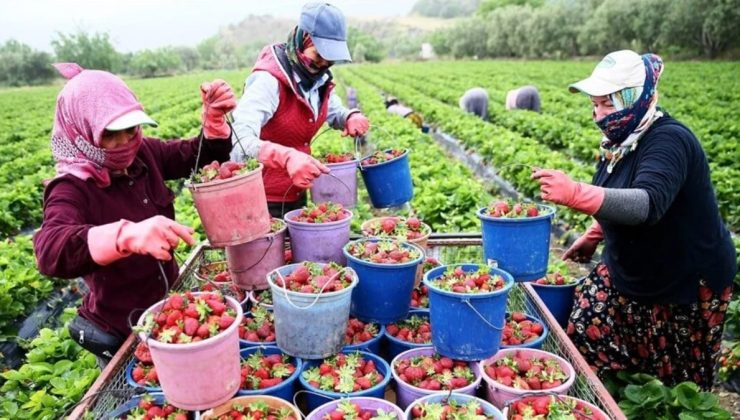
{"x": 475, "y": 101}
{"x": 526, "y": 97}
{"x": 392, "y": 105}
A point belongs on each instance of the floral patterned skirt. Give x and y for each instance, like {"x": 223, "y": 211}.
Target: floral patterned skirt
{"x": 672, "y": 342}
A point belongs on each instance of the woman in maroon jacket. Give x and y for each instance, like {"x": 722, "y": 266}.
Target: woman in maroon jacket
{"x": 108, "y": 215}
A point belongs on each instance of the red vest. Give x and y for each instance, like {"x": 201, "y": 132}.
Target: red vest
{"x": 292, "y": 125}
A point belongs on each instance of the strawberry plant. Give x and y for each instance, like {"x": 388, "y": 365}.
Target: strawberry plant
{"x": 344, "y": 373}
{"x": 414, "y": 329}
{"x": 359, "y": 332}
{"x": 216, "y": 171}
{"x": 347, "y": 410}
{"x": 434, "y": 373}
{"x": 258, "y": 326}
{"x": 552, "y": 407}
{"x": 188, "y": 317}
{"x": 420, "y": 297}
{"x": 458, "y": 280}
{"x": 257, "y": 410}
{"x": 449, "y": 410}
{"x": 527, "y": 373}
{"x": 396, "y": 227}
{"x": 520, "y": 330}
{"x": 383, "y": 252}
{"x": 321, "y": 213}
{"x": 259, "y": 371}
{"x": 382, "y": 156}
{"x": 311, "y": 277}
{"x": 729, "y": 359}
{"x": 337, "y": 157}
{"x": 507, "y": 209}
{"x": 149, "y": 409}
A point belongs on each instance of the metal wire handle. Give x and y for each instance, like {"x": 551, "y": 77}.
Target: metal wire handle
{"x": 467, "y": 302}
{"x": 267, "y": 249}
{"x": 166, "y": 292}
{"x": 318, "y": 295}
{"x": 305, "y": 391}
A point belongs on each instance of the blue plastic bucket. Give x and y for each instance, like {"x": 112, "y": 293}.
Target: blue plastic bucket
{"x": 467, "y": 326}
{"x": 313, "y": 400}
{"x": 371, "y": 346}
{"x": 285, "y": 389}
{"x": 488, "y": 408}
{"x": 558, "y": 299}
{"x": 130, "y": 379}
{"x": 384, "y": 291}
{"x": 396, "y": 346}
{"x": 307, "y": 325}
{"x": 536, "y": 344}
{"x": 520, "y": 247}
{"x": 246, "y": 343}
{"x": 389, "y": 183}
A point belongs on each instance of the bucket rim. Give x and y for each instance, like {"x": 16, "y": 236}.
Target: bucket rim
{"x": 379, "y": 361}
{"x": 377, "y": 165}
{"x": 257, "y": 302}
{"x": 199, "y": 344}
{"x": 503, "y": 352}
{"x": 530, "y": 345}
{"x": 346, "y": 220}
{"x": 427, "y": 351}
{"x": 130, "y": 379}
{"x": 193, "y": 186}
{"x": 281, "y": 290}
{"x": 326, "y": 405}
{"x": 558, "y": 286}
{"x": 298, "y": 366}
{"x": 549, "y": 215}
{"x": 405, "y": 244}
{"x": 348, "y": 163}
{"x": 423, "y": 313}
{"x": 489, "y": 408}
{"x": 508, "y": 282}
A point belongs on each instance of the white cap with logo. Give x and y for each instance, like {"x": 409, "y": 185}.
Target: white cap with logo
{"x": 618, "y": 70}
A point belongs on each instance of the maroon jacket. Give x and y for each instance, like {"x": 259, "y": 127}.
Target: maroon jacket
{"x": 72, "y": 206}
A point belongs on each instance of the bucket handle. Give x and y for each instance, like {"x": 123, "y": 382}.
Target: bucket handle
{"x": 318, "y": 295}
{"x": 467, "y": 302}
{"x": 166, "y": 292}
{"x": 357, "y": 142}
{"x": 267, "y": 249}
{"x": 305, "y": 391}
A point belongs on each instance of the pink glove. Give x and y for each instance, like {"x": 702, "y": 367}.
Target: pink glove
{"x": 218, "y": 100}
{"x": 155, "y": 236}
{"x": 584, "y": 247}
{"x": 557, "y": 187}
{"x": 302, "y": 168}
{"x": 356, "y": 124}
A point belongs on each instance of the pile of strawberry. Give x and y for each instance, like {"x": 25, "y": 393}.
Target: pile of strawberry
{"x": 215, "y": 171}
{"x": 457, "y": 280}
{"x": 382, "y": 156}
{"x": 214, "y": 271}
{"x": 397, "y": 227}
{"x": 449, "y": 410}
{"x": 263, "y": 297}
{"x": 337, "y": 157}
{"x": 258, "y": 326}
{"x": 347, "y": 410}
{"x": 556, "y": 279}
{"x": 321, "y": 213}
{"x": 311, "y": 277}
{"x": 383, "y": 252}
{"x": 344, "y": 373}
{"x": 414, "y": 329}
{"x": 420, "y": 297}
{"x": 550, "y": 406}
{"x": 527, "y": 373}
{"x": 434, "y": 373}
{"x": 257, "y": 410}
{"x": 262, "y": 372}
{"x": 144, "y": 373}
{"x": 430, "y": 263}
{"x": 504, "y": 208}
{"x": 149, "y": 410}
{"x": 520, "y": 330}
{"x": 188, "y": 318}
{"x": 359, "y": 332}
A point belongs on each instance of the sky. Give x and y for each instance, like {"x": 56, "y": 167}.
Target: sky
{"x": 139, "y": 24}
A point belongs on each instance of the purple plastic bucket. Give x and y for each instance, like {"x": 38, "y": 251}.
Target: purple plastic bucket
{"x": 365, "y": 403}
{"x": 249, "y": 263}
{"x": 338, "y": 186}
{"x": 407, "y": 394}
{"x": 318, "y": 242}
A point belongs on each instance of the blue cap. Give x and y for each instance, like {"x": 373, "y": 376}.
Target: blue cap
{"x": 328, "y": 29}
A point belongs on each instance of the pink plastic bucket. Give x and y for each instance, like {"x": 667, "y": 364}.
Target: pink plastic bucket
{"x": 365, "y": 403}
{"x": 200, "y": 375}
{"x": 596, "y": 412}
{"x": 338, "y": 186}
{"x": 407, "y": 394}
{"x": 499, "y": 394}
{"x": 233, "y": 211}
{"x": 249, "y": 263}
{"x": 318, "y": 242}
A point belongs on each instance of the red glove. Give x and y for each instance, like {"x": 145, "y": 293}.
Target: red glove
{"x": 218, "y": 100}
{"x": 155, "y": 236}
{"x": 356, "y": 124}
{"x": 302, "y": 168}
{"x": 584, "y": 247}
{"x": 557, "y": 187}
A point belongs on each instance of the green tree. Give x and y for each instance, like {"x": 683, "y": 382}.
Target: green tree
{"x": 707, "y": 26}
{"x": 21, "y": 65}
{"x": 160, "y": 62}
{"x": 189, "y": 56}
{"x": 370, "y": 47}
{"x": 488, "y": 6}
{"x": 89, "y": 51}
{"x": 444, "y": 8}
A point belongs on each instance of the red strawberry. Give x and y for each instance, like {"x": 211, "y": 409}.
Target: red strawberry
{"x": 191, "y": 326}
{"x": 225, "y": 321}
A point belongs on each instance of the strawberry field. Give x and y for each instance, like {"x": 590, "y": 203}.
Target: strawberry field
{"x": 55, "y": 372}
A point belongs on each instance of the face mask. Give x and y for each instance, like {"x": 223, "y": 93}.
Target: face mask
{"x": 122, "y": 156}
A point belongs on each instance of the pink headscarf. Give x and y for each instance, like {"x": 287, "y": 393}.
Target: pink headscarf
{"x": 88, "y": 103}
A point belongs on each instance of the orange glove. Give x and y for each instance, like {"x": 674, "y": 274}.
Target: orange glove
{"x": 356, "y": 124}
{"x": 302, "y": 168}
{"x": 557, "y": 187}
{"x": 218, "y": 100}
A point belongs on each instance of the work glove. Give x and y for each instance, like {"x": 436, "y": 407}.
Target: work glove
{"x": 557, "y": 187}
{"x": 356, "y": 124}
{"x": 584, "y": 247}
{"x": 218, "y": 100}
{"x": 302, "y": 168}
